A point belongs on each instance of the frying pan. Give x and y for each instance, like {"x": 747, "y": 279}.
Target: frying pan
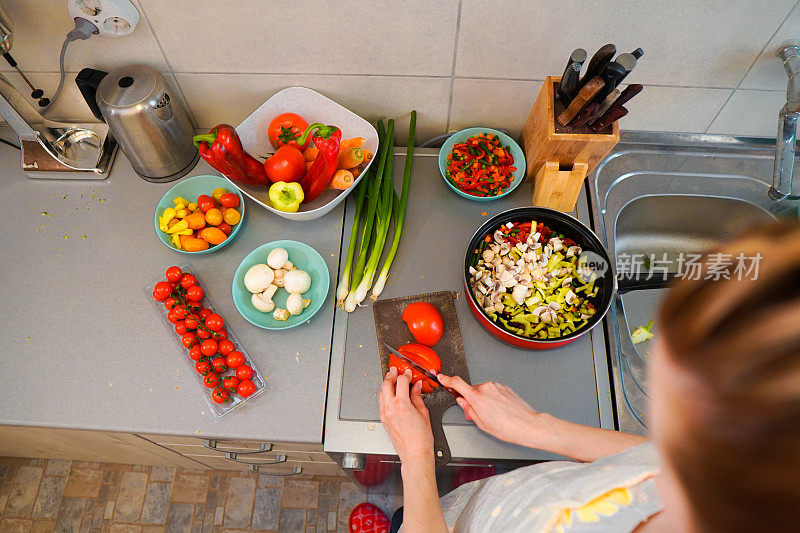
{"x": 573, "y": 229}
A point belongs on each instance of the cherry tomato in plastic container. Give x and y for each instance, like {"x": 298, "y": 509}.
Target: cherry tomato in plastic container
{"x": 220, "y": 395}
{"x": 244, "y": 372}
{"x": 174, "y": 273}
{"x": 245, "y": 388}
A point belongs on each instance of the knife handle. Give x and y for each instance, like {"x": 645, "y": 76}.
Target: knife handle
{"x": 585, "y": 96}
{"x": 599, "y": 60}
{"x": 453, "y": 392}
{"x": 612, "y": 115}
{"x": 588, "y": 113}
{"x": 621, "y": 99}
{"x": 568, "y": 86}
{"x": 612, "y": 73}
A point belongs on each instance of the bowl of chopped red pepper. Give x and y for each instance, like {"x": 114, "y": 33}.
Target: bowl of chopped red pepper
{"x": 481, "y": 164}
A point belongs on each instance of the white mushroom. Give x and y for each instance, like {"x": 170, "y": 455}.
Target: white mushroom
{"x": 495, "y": 248}
{"x": 294, "y": 304}
{"x": 288, "y": 265}
{"x": 546, "y": 316}
{"x": 557, "y": 244}
{"x": 472, "y": 271}
{"x": 263, "y": 300}
{"x": 279, "y": 274}
{"x": 488, "y": 255}
{"x": 258, "y": 277}
{"x": 519, "y": 294}
{"x": 498, "y": 306}
{"x": 280, "y": 314}
{"x": 567, "y": 281}
{"x": 277, "y": 257}
{"x": 573, "y": 250}
{"x": 555, "y": 306}
{"x": 507, "y": 279}
{"x": 570, "y": 297}
{"x": 297, "y": 281}
{"x": 499, "y": 236}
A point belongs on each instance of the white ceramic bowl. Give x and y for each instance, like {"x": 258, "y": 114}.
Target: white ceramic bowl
{"x": 313, "y": 107}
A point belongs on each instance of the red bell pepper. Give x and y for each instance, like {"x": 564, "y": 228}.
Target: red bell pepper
{"x": 223, "y": 150}
{"x": 326, "y": 139}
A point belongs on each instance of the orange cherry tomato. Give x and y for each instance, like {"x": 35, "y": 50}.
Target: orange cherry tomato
{"x": 191, "y": 243}
{"x": 212, "y": 235}
{"x": 196, "y": 220}
{"x": 424, "y": 357}
{"x": 232, "y": 216}
{"x": 229, "y": 200}
{"x": 213, "y": 216}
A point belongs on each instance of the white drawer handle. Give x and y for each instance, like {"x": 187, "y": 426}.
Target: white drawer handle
{"x": 263, "y": 447}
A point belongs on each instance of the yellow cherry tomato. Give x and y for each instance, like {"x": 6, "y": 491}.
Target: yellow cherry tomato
{"x": 180, "y": 200}
{"x": 218, "y": 192}
{"x": 213, "y": 216}
{"x": 212, "y": 235}
{"x": 232, "y": 216}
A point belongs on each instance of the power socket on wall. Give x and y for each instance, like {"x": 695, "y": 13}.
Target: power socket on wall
{"x": 113, "y": 18}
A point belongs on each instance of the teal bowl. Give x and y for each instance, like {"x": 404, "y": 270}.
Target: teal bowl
{"x": 463, "y": 135}
{"x": 191, "y": 188}
{"x": 303, "y": 257}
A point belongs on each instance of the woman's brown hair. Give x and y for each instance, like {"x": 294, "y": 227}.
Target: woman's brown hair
{"x": 736, "y": 451}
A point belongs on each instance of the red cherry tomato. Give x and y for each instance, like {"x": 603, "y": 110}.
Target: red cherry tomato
{"x": 219, "y": 364}
{"x": 229, "y": 200}
{"x": 205, "y": 203}
{"x": 425, "y": 322}
{"x": 162, "y": 291}
{"x": 246, "y": 388}
{"x": 287, "y": 164}
{"x": 230, "y": 383}
{"x": 189, "y": 339}
{"x": 173, "y": 317}
{"x": 214, "y": 322}
{"x": 208, "y": 347}
{"x": 194, "y": 293}
{"x": 187, "y": 280}
{"x": 174, "y": 273}
{"x": 225, "y": 347}
{"x": 220, "y": 335}
{"x": 180, "y": 312}
{"x": 203, "y": 366}
{"x": 220, "y": 395}
{"x": 203, "y": 333}
{"x": 180, "y": 327}
{"x": 225, "y": 228}
{"x": 204, "y": 313}
{"x": 286, "y": 128}
{"x": 235, "y": 359}
{"x": 195, "y": 353}
{"x": 244, "y": 372}
{"x": 170, "y": 302}
{"x": 211, "y": 380}
{"x": 424, "y": 357}
{"x": 192, "y": 321}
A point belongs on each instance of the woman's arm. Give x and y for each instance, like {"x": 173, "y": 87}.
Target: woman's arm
{"x": 405, "y": 418}
{"x": 497, "y": 410}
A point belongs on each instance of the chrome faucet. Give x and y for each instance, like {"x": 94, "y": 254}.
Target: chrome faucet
{"x": 782, "y": 185}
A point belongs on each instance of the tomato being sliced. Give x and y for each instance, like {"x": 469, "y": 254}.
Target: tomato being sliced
{"x": 285, "y": 128}
{"x": 424, "y": 357}
{"x": 425, "y": 322}
{"x": 287, "y": 164}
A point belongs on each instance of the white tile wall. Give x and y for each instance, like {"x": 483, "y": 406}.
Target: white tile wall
{"x": 709, "y": 65}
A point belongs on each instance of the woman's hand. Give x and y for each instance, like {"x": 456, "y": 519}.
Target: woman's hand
{"x": 405, "y": 418}
{"x": 497, "y": 410}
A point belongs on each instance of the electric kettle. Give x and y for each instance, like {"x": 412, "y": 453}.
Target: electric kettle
{"x": 150, "y": 124}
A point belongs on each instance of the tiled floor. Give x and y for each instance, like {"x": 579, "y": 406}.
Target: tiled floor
{"x": 40, "y": 495}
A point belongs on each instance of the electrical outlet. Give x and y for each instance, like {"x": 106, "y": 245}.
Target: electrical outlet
{"x": 113, "y": 18}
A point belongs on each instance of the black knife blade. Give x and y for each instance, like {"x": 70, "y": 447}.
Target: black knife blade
{"x": 427, "y": 373}
{"x": 599, "y": 60}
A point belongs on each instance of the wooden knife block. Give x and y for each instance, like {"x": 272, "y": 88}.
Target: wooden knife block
{"x": 557, "y": 163}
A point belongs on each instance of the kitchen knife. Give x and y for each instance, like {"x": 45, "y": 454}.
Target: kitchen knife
{"x": 577, "y": 56}
{"x": 587, "y": 93}
{"x": 638, "y": 53}
{"x": 611, "y": 74}
{"x": 624, "y": 97}
{"x": 628, "y": 62}
{"x": 613, "y": 114}
{"x": 610, "y": 99}
{"x": 568, "y": 87}
{"x": 588, "y": 113}
{"x": 427, "y": 373}
{"x": 599, "y": 60}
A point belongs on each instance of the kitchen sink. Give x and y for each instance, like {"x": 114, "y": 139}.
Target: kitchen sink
{"x": 658, "y": 200}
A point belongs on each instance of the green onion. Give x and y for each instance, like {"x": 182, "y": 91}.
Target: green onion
{"x": 344, "y": 284}
{"x": 400, "y": 211}
{"x": 384, "y": 219}
{"x": 373, "y": 198}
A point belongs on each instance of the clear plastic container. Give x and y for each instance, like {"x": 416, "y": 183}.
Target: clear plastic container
{"x": 236, "y": 400}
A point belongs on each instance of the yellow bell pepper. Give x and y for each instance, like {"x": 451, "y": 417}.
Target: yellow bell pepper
{"x": 180, "y": 200}
{"x": 180, "y": 226}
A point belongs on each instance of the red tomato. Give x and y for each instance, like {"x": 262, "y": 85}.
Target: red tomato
{"x": 203, "y": 333}
{"x": 180, "y": 312}
{"x": 244, "y": 372}
{"x": 180, "y": 327}
{"x": 174, "y": 273}
{"x": 193, "y": 307}
{"x": 219, "y": 365}
{"x": 195, "y": 353}
{"x": 205, "y": 203}
{"x": 220, "y": 395}
{"x": 194, "y": 293}
{"x": 189, "y": 339}
{"x": 187, "y": 280}
{"x": 170, "y": 302}
{"x": 172, "y": 316}
{"x": 229, "y": 200}
{"x": 220, "y": 335}
{"x": 230, "y": 383}
{"x": 235, "y": 359}
{"x": 424, "y": 357}
{"x": 214, "y": 322}
{"x": 192, "y": 322}
{"x": 203, "y": 366}
{"x": 425, "y": 322}
{"x": 287, "y": 164}
{"x": 208, "y": 347}
{"x": 225, "y": 347}
{"x": 211, "y": 380}
{"x": 285, "y": 128}
{"x": 162, "y": 291}
{"x": 246, "y": 388}
{"x": 225, "y": 228}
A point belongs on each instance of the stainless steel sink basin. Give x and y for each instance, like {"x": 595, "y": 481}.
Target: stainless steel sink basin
{"x": 658, "y": 199}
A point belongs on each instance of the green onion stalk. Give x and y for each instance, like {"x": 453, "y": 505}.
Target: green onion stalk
{"x": 344, "y": 284}
{"x": 382, "y": 229}
{"x": 373, "y": 198}
{"x": 400, "y": 210}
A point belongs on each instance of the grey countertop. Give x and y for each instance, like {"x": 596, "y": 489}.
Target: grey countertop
{"x": 571, "y": 382}
{"x": 82, "y": 346}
